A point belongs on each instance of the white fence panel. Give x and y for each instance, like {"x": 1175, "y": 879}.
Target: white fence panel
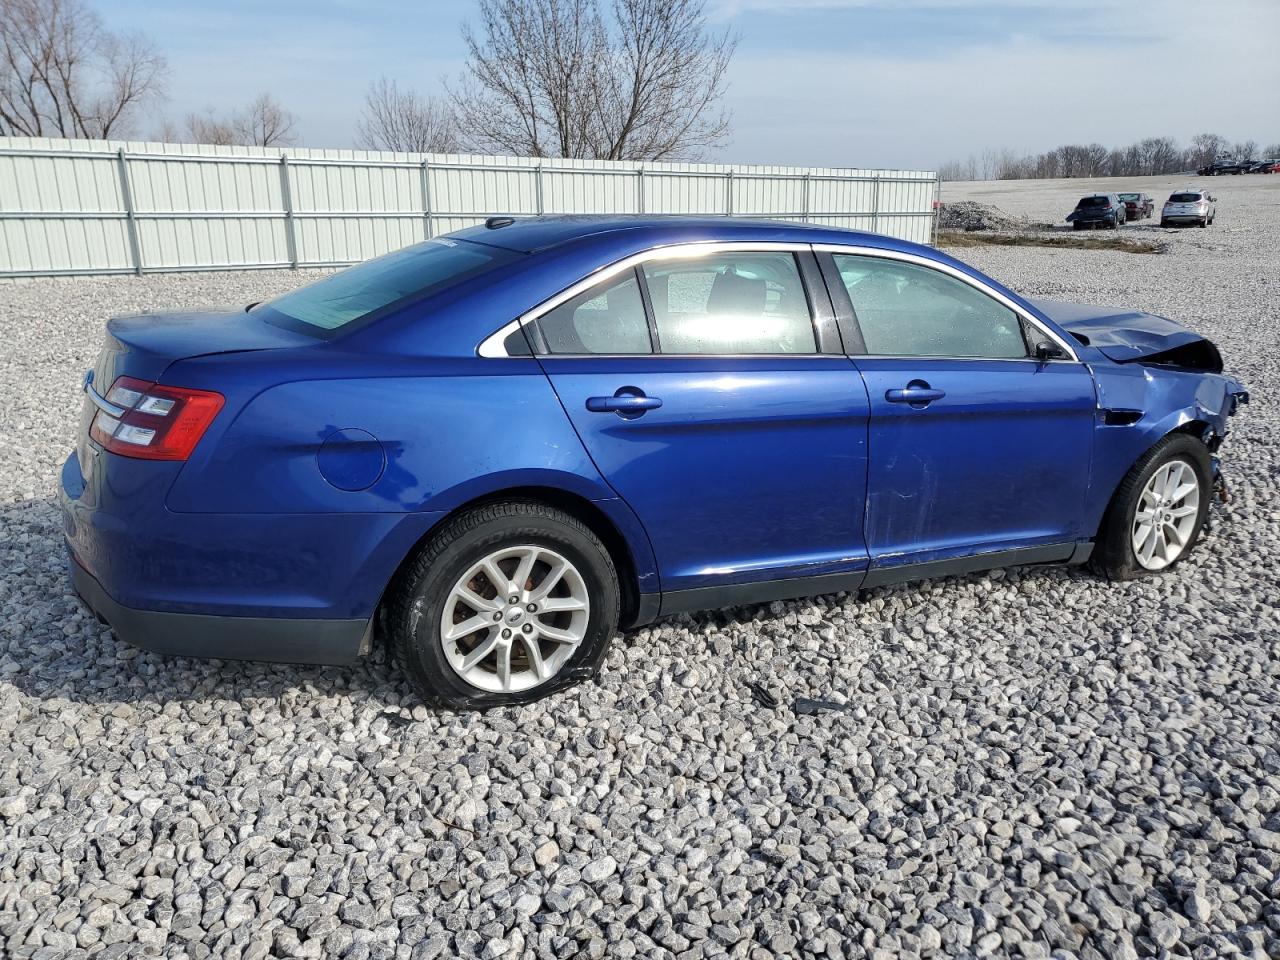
{"x": 97, "y": 206}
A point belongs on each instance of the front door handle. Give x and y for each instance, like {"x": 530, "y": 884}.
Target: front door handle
{"x": 918, "y": 393}
{"x": 626, "y": 402}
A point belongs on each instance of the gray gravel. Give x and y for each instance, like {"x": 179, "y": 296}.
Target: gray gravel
{"x": 1028, "y": 763}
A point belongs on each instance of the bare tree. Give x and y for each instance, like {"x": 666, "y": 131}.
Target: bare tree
{"x": 395, "y": 119}
{"x": 1273, "y": 150}
{"x": 62, "y": 73}
{"x": 959, "y": 170}
{"x": 565, "y": 78}
{"x": 264, "y": 123}
{"x": 207, "y": 127}
{"x": 1205, "y": 148}
{"x": 166, "y": 131}
{"x": 1245, "y": 149}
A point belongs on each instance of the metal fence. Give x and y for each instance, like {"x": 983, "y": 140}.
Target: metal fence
{"x": 97, "y": 207}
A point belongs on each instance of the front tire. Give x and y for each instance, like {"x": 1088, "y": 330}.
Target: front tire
{"x": 1158, "y": 511}
{"x": 504, "y": 605}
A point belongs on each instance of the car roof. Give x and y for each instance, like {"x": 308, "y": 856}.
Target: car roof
{"x": 534, "y": 234}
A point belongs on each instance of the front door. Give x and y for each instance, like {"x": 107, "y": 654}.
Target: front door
{"x": 698, "y": 388}
{"x": 974, "y": 445}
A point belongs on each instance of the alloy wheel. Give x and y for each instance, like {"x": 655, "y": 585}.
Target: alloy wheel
{"x": 1167, "y": 513}
{"x": 515, "y": 618}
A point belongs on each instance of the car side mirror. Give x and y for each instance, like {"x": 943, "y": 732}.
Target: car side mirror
{"x": 1047, "y": 350}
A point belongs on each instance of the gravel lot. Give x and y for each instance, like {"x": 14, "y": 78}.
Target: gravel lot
{"x": 1029, "y": 763}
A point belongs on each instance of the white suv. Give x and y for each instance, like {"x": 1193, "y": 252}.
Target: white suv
{"x": 1189, "y": 206}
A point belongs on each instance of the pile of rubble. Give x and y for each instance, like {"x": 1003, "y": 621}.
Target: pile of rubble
{"x": 969, "y": 215}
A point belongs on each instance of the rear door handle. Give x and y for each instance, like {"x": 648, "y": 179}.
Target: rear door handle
{"x": 627, "y": 402}
{"x": 917, "y": 393}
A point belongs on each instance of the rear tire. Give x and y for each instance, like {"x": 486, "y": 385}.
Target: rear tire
{"x": 1117, "y": 553}
{"x": 503, "y": 647}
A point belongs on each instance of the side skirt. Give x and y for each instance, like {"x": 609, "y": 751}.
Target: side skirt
{"x": 1023, "y": 556}
{"x": 742, "y": 594}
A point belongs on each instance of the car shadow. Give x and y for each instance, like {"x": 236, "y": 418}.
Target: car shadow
{"x": 53, "y": 648}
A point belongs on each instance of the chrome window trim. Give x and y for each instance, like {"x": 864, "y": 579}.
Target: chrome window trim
{"x": 492, "y": 346}
{"x": 946, "y": 268}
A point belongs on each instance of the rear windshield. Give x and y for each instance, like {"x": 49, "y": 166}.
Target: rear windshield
{"x": 1128, "y": 196}
{"x": 1185, "y": 198}
{"x": 355, "y": 294}
{"x": 1093, "y": 202}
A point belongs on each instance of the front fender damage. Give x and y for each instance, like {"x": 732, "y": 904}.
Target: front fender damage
{"x": 1140, "y": 403}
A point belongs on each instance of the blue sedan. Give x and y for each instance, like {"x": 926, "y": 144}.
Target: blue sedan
{"x": 493, "y": 449}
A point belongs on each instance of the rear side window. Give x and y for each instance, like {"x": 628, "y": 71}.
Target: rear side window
{"x": 349, "y": 296}
{"x": 730, "y": 303}
{"x": 906, "y": 310}
{"x": 609, "y": 318}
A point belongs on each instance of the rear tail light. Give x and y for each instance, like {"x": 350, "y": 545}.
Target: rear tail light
{"x": 155, "y": 422}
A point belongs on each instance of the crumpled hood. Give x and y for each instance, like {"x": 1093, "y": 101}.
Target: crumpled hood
{"x": 1121, "y": 335}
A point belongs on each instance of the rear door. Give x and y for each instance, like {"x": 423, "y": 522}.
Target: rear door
{"x": 974, "y": 446}
{"x": 712, "y": 393}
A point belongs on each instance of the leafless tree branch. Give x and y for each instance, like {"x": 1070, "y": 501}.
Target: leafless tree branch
{"x": 63, "y": 74}
{"x": 638, "y": 80}
{"x": 264, "y": 123}
{"x": 396, "y": 119}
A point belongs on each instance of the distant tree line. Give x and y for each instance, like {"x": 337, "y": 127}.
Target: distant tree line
{"x": 1150, "y": 157}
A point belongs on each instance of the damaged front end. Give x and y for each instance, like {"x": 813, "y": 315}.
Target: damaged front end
{"x": 1153, "y": 377}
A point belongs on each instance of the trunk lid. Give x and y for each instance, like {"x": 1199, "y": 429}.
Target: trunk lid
{"x": 144, "y": 345}
{"x": 1126, "y": 336}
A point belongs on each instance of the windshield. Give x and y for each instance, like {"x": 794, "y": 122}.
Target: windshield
{"x": 1128, "y": 196}
{"x": 1185, "y": 198}
{"x": 1094, "y": 202}
{"x": 354, "y": 294}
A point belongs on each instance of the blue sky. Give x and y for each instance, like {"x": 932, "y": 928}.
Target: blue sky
{"x": 879, "y": 83}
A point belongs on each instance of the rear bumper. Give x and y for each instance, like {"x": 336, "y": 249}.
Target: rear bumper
{"x": 228, "y": 638}
{"x": 303, "y": 566}
{"x": 298, "y": 588}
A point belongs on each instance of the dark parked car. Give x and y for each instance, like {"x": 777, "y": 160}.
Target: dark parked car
{"x": 492, "y": 449}
{"x": 1098, "y": 210}
{"x": 1137, "y": 206}
{"x": 1266, "y": 166}
{"x": 1219, "y": 167}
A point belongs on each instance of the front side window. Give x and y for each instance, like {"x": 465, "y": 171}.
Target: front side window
{"x": 730, "y": 303}
{"x": 609, "y": 318}
{"x": 906, "y": 310}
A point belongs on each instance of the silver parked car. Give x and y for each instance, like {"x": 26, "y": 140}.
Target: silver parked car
{"x": 1189, "y": 206}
